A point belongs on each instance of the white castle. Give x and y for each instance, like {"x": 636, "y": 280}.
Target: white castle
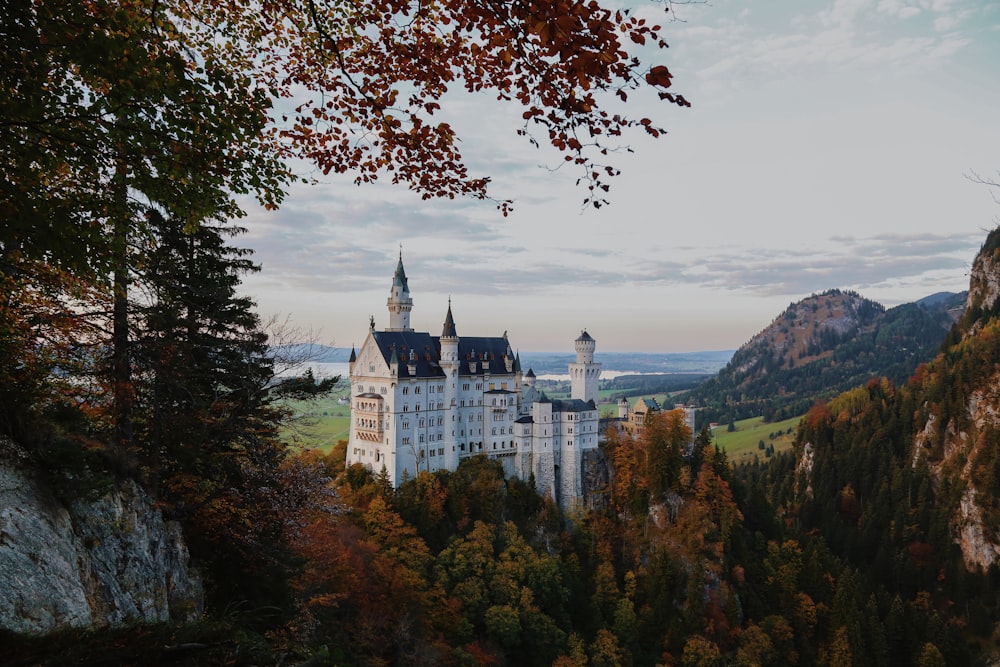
{"x": 424, "y": 403}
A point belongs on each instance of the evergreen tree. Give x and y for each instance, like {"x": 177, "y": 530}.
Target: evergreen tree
{"x": 206, "y": 431}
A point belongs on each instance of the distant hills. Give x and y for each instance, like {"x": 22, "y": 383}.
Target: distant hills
{"x": 823, "y": 345}
{"x": 313, "y": 352}
{"x": 544, "y": 363}
{"x": 709, "y": 362}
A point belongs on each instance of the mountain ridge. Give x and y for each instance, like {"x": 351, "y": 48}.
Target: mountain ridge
{"x": 821, "y": 345}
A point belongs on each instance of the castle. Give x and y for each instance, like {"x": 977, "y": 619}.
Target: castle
{"x": 424, "y": 403}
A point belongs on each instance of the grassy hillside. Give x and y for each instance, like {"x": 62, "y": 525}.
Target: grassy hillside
{"x": 319, "y": 423}
{"x": 743, "y": 444}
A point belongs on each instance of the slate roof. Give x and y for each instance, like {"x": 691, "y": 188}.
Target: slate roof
{"x": 487, "y": 352}
{"x": 651, "y": 404}
{"x": 572, "y": 405}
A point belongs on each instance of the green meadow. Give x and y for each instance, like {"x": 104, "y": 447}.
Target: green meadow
{"x": 319, "y": 423}
{"x": 743, "y": 444}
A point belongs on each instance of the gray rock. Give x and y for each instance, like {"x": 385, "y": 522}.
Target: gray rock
{"x": 110, "y": 561}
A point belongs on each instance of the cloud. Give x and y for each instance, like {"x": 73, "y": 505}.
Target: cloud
{"x": 844, "y": 262}
{"x": 873, "y": 35}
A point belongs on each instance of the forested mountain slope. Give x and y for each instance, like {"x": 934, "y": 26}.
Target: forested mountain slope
{"x": 903, "y": 482}
{"x": 820, "y": 346}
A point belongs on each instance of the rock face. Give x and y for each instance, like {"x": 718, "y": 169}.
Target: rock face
{"x": 966, "y": 443}
{"x": 96, "y": 563}
{"x": 984, "y": 279}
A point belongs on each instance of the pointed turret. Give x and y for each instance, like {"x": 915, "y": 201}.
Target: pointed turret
{"x": 449, "y": 342}
{"x": 449, "y": 324}
{"x": 399, "y": 303}
{"x": 393, "y": 362}
{"x": 399, "y": 277}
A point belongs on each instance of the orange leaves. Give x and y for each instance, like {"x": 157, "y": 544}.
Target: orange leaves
{"x": 547, "y": 54}
{"x": 659, "y": 76}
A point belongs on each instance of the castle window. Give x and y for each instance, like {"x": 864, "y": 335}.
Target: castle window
{"x": 406, "y": 390}
{"x": 430, "y": 389}
{"x": 416, "y": 390}
{"x": 441, "y": 451}
{"x": 421, "y": 437}
{"x": 421, "y": 424}
{"x": 406, "y": 408}
{"x": 417, "y": 408}
{"x": 406, "y": 424}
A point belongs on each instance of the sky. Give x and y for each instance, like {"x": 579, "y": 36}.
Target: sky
{"x": 829, "y": 144}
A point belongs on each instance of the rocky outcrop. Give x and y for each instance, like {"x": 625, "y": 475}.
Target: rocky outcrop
{"x": 955, "y": 451}
{"x": 984, "y": 278}
{"x": 978, "y": 551}
{"x": 596, "y": 479}
{"x": 94, "y": 563}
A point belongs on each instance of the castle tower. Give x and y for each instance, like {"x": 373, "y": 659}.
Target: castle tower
{"x": 584, "y": 374}
{"x": 449, "y": 362}
{"x": 399, "y": 302}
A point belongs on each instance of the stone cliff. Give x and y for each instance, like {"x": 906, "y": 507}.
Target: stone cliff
{"x": 960, "y": 445}
{"x": 90, "y": 563}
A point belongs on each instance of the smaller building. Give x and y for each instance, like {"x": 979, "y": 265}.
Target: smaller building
{"x": 632, "y": 418}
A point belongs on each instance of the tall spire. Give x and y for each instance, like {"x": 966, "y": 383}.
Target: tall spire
{"x": 399, "y": 277}
{"x": 399, "y": 302}
{"x": 449, "y": 324}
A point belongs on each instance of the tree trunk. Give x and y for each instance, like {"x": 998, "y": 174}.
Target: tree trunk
{"x": 121, "y": 368}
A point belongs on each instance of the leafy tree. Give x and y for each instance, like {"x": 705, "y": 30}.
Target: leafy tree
{"x": 664, "y": 437}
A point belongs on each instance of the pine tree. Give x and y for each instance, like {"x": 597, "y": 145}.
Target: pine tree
{"x": 204, "y": 426}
